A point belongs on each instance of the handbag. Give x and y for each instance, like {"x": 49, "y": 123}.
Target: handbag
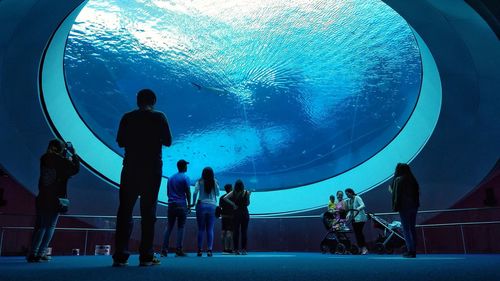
{"x": 63, "y": 205}
{"x": 218, "y": 212}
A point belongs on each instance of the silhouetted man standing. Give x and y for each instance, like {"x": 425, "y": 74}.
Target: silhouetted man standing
{"x": 142, "y": 133}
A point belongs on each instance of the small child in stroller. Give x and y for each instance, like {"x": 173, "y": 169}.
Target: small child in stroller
{"x": 336, "y": 240}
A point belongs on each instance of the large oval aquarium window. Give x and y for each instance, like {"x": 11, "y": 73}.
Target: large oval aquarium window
{"x": 277, "y": 93}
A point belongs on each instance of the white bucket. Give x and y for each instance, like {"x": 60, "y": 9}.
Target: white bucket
{"x": 102, "y": 250}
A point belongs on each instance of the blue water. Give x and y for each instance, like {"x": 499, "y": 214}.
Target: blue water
{"x": 277, "y": 93}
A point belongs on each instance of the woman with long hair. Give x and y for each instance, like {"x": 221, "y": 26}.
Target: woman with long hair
{"x": 57, "y": 165}
{"x": 239, "y": 198}
{"x": 406, "y": 200}
{"x": 356, "y": 212}
{"x": 208, "y": 190}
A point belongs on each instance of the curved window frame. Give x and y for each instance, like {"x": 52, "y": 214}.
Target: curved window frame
{"x": 105, "y": 163}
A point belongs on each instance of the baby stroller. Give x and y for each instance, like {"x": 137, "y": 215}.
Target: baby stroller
{"x": 336, "y": 240}
{"x": 390, "y": 238}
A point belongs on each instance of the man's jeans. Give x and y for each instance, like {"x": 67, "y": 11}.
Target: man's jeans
{"x": 177, "y": 212}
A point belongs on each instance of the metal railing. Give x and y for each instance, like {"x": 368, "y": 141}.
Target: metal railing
{"x": 422, "y": 227}
{"x": 270, "y": 216}
{"x": 57, "y": 228}
{"x": 459, "y": 224}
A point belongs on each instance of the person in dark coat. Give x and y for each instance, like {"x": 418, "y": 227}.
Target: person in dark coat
{"x": 239, "y": 199}
{"x": 142, "y": 133}
{"x": 57, "y": 165}
{"x": 405, "y": 200}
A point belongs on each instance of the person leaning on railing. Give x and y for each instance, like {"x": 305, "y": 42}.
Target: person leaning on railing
{"x": 239, "y": 198}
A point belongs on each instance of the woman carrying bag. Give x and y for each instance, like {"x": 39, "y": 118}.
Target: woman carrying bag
{"x": 57, "y": 165}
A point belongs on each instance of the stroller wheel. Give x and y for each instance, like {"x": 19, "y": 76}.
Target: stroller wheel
{"x": 380, "y": 248}
{"x": 324, "y": 248}
{"x": 403, "y": 249}
{"x": 354, "y": 250}
{"x": 340, "y": 249}
{"x": 332, "y": 250}
{"x": 389, "y": 250}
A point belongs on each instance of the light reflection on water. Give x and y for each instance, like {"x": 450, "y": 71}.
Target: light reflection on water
{"x": 278, "y": 93}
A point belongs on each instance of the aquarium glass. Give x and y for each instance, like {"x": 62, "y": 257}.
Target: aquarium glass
{"x": 277, "y": 93}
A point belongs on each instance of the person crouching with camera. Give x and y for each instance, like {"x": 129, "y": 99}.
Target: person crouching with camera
{"x": 57, "y": 165}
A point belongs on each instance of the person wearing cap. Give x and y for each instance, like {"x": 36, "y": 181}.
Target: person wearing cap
{"x": 179, "y": 198}
{"x": 142, "y": 133}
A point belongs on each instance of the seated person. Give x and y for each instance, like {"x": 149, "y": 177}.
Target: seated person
{"x": 331, "y": 204}
{"x": 335, "y": 217}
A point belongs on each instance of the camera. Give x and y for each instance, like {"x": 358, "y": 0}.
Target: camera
{"x": 69, "y": 150}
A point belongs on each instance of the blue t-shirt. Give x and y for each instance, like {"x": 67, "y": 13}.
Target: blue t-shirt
{"x": 177, "y": 187}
